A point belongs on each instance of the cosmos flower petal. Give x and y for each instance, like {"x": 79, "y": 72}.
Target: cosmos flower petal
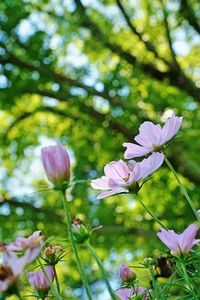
{"x": 100, "y": 183}
{"x": 134, "y": 150}
{"x": 149, "y": 135}
{"x": 114, "y": 191}
{"x": 171, "y": 128}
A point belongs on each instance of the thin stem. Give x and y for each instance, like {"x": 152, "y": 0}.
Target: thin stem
{"x": 156, "y": 291}
{"x": 53, "y": 289}
{"x": 19, "y": 296}
{"x": 187, "y": 280}
{"x": 183, "y": 190}
{"x": 100, "y": 265}
{"x": 150, "y": 213}
{"x": 74, "y": 246}
{"x": 56, "y": 279}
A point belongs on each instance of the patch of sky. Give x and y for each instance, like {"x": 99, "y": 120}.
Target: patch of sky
{"x": 100, "y": 104}
{"x": 70, "y": 5}
{"x": 50, "y": 102}
{"x": 124, "y": 91}
{"x": 77, "y": 91}
{"x": 3, "y": 36}
{"x": 75, "y": 56}
{"x": 5, "y": 209}
{"x": 3, "y": 81}
{"x": 99, "y": 86}
{"x": 30, "y": 169}
{"x": 117, "y": 112}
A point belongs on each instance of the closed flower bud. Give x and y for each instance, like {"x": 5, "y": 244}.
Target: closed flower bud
{"x": 126, "y": 273}
{"x": 39, "y": 281}
{"x": 56, "y": 163}
{"x": 148, "y": 261}
{"x": 80, "y": 232}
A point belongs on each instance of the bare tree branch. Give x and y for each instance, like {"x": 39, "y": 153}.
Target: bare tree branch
{"x": 187, "y": 12}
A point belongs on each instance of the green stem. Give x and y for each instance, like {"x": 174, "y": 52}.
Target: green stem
{"x": 183, "y": 190}
{"x": 57, "y": 281}
{"x": 187, "y": 280}
{"x": 155, "y": 287}
{"x": 100, "y": 265}
{"x": 74, "y": 246}
{"x": 53, "y": 289}
{"x": 150, "y": 213}
{"x": 19, "y": 296}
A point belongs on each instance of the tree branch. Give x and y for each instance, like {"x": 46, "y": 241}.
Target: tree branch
{"x": 189, "y": 15}
{"x": 149, "y": 46}
{"x": 174, "y": 76}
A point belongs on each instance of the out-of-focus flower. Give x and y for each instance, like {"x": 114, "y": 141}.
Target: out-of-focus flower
{"x": 128, "y": 293}
{"x": 126, "y": 273}
{"x": 198, "y": 212}
{"x": 11, "y": 268}
{"x": 39, "y": 281}
{"x": 179, "y": 243}
{"x": 56, "y": 163}
{"x": 152, "y": 137}
{"x": 163, "y": 267}
{"x": 32, "y": 245}
{"x": 120, "y": 176}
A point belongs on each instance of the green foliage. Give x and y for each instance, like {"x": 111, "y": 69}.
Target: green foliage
{"x": 87, "y": 74}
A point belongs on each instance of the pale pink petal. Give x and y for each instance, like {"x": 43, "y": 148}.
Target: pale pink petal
{"x": 148, "y": 166}
{"x": 196, "y": 242}
{"x": 116, "y": 170}
{"x": 114, "y": 191}
{"x": 170, "y": 239}
{"x": 131, "y": 164}
{"x": 187, "y": 238}
{"x": 100, "y": 183}
{"x": 125, "y": 294}
{"x": 4, "y": 285}
{"x": 134, "y": 150}
{"x": 170, "y": 128}
{"x": 149, "y": 136}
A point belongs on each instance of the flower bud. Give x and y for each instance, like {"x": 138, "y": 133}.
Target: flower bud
{"x": 148, "y": 261}
{"x": 126, "y": 273}
{"x": 80, "y": 232}
{"x": 52, "y": 251}
{"x": 39, "y": 281}
{"x": 53, "y": 254}
{"x": 56, "y": 163}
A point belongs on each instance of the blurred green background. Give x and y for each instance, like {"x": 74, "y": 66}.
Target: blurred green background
{"x": 87, "y": 73}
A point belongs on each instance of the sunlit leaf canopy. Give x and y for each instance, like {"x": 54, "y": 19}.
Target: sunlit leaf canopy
{"x": 87, "y": 73}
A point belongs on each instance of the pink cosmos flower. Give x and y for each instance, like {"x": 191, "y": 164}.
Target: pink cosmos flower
{"x": 39, "y": 281}
{"x": 31, "y": 245}
{"x": 11, "y": 268}
{"x": 152, "y": 137}
{"x": 121, "y": 176}
{"x": 56, "y": 163}
{"x": 179, "y": 243}
{"x": 126, "y": 273}
{"x": 128, "y": 293}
